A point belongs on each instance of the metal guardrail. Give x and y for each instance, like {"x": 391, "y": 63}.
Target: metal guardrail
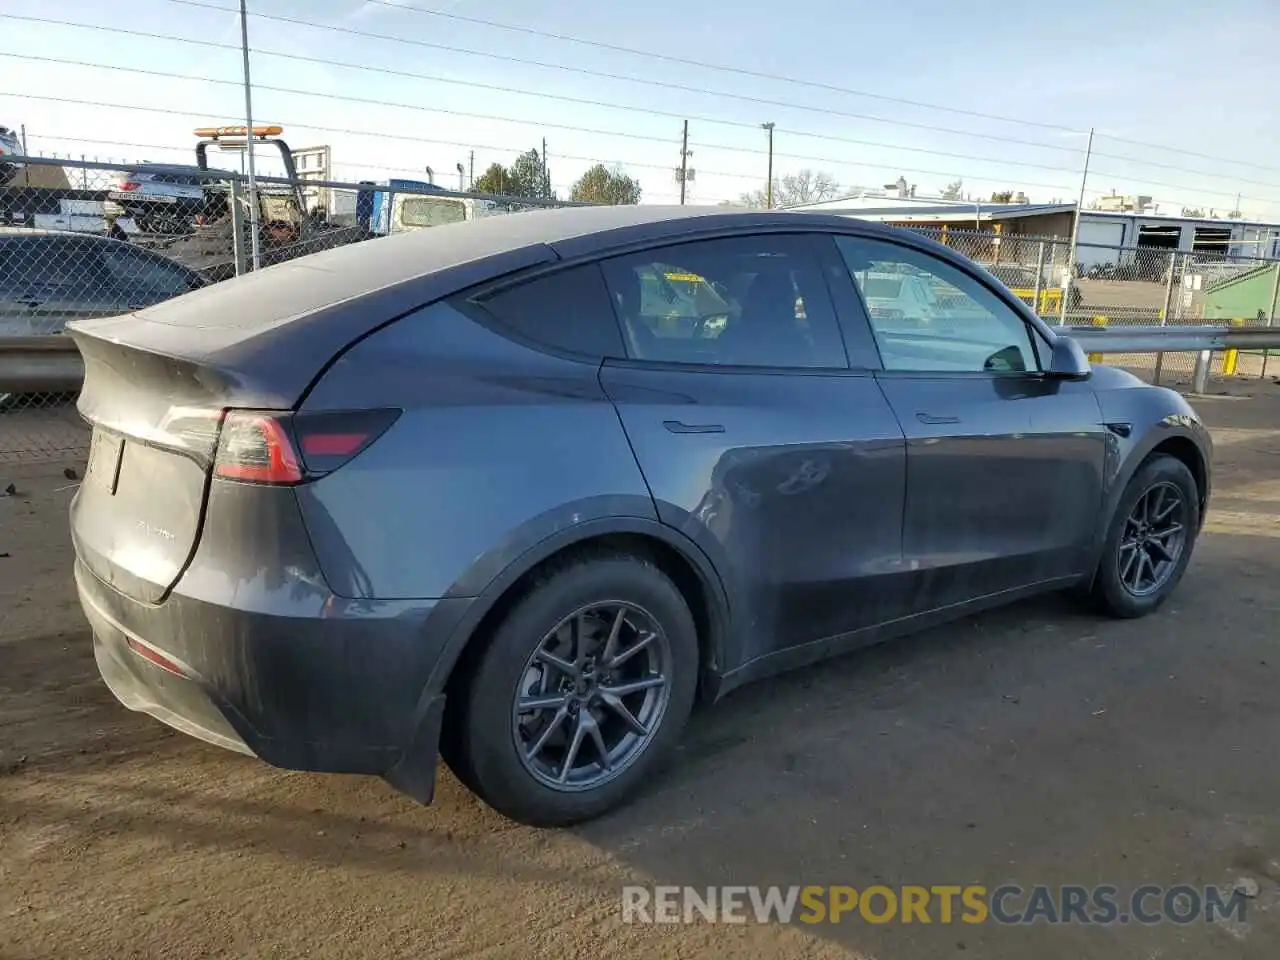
{"x": 51, "y": 362}
{"x": 1203, "y": 340}
{"x": 45, "y": 363}
{"x": 1171, "y": 339}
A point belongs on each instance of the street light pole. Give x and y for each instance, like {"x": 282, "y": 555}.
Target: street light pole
{"x": 254, "y": 240}
{"x": 1075, "y": 234}
{"x": 768, "y": 189}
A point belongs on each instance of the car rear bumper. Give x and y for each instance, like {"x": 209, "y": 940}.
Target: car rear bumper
{"x": 348, "y": 691}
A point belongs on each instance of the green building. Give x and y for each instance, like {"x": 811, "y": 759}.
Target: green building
{"x": 1246, "y": 295}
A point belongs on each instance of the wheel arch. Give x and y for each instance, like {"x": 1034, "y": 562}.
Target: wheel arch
{"x": 677, "y": 556}
{"x": 1170, "y": 440}
{"x": 1185, "y": 450}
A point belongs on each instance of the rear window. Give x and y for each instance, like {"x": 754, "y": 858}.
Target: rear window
{"x": 431, "y": 212}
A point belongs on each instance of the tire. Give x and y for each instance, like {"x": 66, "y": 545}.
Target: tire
{"x": 1113, "y": 592}
{"x": 491, "y": 741}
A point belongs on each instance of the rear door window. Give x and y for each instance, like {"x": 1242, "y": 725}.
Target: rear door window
{"x": 757, "y": 301}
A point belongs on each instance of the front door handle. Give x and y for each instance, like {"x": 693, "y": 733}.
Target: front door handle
{"x": 676, "y": 426}
{"x": 931, "y": 419}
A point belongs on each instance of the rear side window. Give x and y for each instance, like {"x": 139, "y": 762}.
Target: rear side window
{"x": 153, "y": 278}
{"x": 744, "y": 301}
{"x": 47, "y": 263}
{"x": 567, "y": 311}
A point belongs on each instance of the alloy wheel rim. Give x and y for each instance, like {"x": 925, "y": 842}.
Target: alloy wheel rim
{"x": 591, "y": 696}
{"x": 1152, "y": 540}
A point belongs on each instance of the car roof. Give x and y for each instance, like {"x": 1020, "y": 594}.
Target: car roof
{"x": 276, "y": 326}
{"x": 450, "y": 257}
{"x": 186, "y": 168}
{"x": 47, "y": 232}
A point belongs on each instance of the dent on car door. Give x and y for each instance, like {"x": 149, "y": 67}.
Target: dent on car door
{"x": 1004, "y": 465}
{"x": 756, "y": 439}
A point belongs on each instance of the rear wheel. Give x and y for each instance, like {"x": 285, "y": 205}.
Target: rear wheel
{"x": 581, "y": 693}
{"x": 1150, "y": 539}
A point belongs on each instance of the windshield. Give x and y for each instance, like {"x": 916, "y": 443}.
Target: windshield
{"x": 881, "y": 288}
{"x": 280, "y": 209}
{"x": 431, "y": 211}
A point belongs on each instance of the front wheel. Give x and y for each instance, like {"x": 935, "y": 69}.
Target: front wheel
{"x": 1149, "y": 541}
{"x": 582, "y": 691}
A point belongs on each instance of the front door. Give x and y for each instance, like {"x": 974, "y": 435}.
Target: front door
{"x": 756, "y": 438}
{"x": 1004, "y": 465}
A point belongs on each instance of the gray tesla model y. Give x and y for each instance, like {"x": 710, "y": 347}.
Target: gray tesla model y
{"x": 516, "y": 492}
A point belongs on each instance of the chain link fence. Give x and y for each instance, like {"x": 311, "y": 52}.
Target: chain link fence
{"x": 1118, "y": 286}
{"x": 81, "y": 240}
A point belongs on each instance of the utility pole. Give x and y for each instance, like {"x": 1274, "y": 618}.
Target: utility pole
{"x": 1075, "y": 234}
{"x": 768, "y": 187}
{"x": 546, "y": 177}
{"x": 471, "y": 171}
{"x": 683, "y": 173}
{"x": 255, "y": 241}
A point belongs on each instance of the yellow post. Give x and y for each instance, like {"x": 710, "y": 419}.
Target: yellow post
{"x": 1097, "y": 322}
{"x": 1231, "y": 356}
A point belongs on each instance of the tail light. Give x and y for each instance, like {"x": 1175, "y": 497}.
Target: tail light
{"x": 128, "y": 185}
{"x": 282, "y": 448}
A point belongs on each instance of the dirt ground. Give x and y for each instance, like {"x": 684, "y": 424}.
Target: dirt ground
{"x": 1037, "y": 744}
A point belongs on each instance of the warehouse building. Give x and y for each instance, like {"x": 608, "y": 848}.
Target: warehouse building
{"x": 1103, "y": 233}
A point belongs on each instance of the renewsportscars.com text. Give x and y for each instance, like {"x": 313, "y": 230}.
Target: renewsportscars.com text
{"x": 942, "y": 903}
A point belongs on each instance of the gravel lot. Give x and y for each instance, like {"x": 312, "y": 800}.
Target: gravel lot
{"x": 1032, "y": 745}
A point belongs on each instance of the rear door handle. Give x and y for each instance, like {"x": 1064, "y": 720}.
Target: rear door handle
{"x": 676, "y": 426}
{"x": 931, "y": 419}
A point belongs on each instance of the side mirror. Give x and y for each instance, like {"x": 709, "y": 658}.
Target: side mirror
{"x": 1068, "y": 361}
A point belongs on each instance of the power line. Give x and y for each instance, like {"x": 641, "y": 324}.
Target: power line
{"x": 375, "y": 165}
{"x": 1189, "y": 153}
{"x": 831, "y": 161}
{"x": 650, "y": 82}
{"x": 758, "y": 74}
{"x": 682, "y": 88}
{"x": 595, "y": 73}
{"x": 367, "y": 101}
{"x": 556, "y": 97}
{"x": 478, "y": 116}
{"x": 604, "y": 104}
{"x": 685, "y": 61}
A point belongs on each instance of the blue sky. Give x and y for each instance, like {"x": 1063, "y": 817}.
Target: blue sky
{"x": 1182, "y": 76}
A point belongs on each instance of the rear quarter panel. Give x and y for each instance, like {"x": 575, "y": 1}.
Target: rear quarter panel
{"x": 499, "y": 447}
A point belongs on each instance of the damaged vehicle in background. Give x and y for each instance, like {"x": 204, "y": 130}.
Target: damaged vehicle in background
{"x": 50, "y": 277}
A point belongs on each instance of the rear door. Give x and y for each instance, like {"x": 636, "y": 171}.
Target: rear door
{"x": 756, "y": 436}
{"x": 1004, "y": 465}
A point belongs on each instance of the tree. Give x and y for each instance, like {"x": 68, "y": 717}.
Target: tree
{"x": 1002, "y": 196}
{"x": 524, "y": 178}
{"x": 804, "y": 186}
{"x": 604, "y": 186}
{"x": 530, "y": 179}
{"x": 1195, "y": 213}
{"x": 495, "y": 180}
{"x": 953, "y": 190}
